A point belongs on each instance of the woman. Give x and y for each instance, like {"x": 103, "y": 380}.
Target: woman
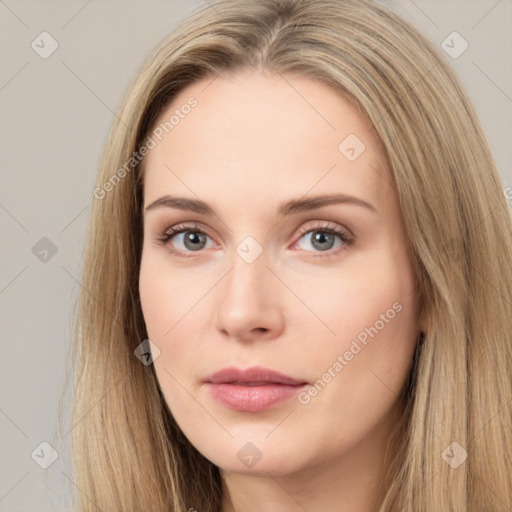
{"x": 298, "y": 279}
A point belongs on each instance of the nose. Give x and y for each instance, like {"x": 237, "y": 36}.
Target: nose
{"x": 248, "y": 302}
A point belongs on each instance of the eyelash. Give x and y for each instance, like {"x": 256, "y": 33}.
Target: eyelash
{"x": 347, "y": 240}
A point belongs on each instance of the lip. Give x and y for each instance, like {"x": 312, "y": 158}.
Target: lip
{"x": 253, "y": 389}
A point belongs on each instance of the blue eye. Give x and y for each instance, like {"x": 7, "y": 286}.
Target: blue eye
{"x": 325, "y": 240}
{"x": 321, "y": 240}
{"x": 186, "y": 238}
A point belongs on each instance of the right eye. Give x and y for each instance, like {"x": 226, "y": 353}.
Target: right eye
{"x": 185, "y": 238}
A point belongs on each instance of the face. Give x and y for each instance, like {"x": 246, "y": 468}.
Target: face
{"x": 274, "y": 249}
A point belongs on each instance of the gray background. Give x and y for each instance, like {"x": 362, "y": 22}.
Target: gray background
{"x": 55, "y": 116}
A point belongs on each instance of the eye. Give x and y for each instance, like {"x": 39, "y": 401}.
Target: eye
{"x": 185, "y": 238}
{"x": 325, "y": 238}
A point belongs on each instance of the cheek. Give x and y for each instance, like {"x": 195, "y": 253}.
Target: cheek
{"x": 176, "y": 306}
{"x": 366, "y": 312}
{"x": 370, "y": 322}
{"x": 169, "y": 298}
{"x": 378, "y": 303}
{"x": 156, "y": 301}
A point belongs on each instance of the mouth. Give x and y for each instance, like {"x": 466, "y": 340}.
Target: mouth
{"x": 252, "y": 390}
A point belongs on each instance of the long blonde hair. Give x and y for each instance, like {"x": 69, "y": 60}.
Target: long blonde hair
{"x": 129, "y": 454}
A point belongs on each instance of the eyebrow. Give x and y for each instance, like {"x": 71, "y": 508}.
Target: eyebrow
{"x": 290, "y": 207}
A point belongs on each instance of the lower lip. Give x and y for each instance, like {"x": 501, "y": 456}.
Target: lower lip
{"x": 252, "y": 398}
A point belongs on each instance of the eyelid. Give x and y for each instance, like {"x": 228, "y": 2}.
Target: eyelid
{"x": 327, "y": 225}
{"x": 176, "y": 229}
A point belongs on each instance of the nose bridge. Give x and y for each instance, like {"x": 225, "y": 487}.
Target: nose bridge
{"x": 247, "y": 302}
{"x": 248, "y": 276}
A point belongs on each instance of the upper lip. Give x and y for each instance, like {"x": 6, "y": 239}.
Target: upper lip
{"x": 255, "y": 374}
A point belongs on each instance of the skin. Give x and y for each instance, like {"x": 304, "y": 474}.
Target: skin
{"x": 254, "y": 141}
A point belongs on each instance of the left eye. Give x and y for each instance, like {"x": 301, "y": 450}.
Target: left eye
{"x": 322, "y": 240}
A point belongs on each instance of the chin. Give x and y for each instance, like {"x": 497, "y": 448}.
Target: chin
{"x": 256, "y": 459}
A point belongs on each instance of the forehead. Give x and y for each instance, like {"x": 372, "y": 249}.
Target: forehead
{"x": 272, "y": 135}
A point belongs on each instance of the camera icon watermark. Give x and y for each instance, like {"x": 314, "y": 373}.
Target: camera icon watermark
{"x": 147, "y": 352}
{"x": 454, "y": 248}
{"x": 454, "y": 45}
{"x": 249, "y": 249}
{"x": 351, "y": 147}
{"x": 44, "y": 250}
{"x": 44, "y": 455}
{"x": 44, "y": 45}
{"x": 454, "y": 455}
{"x": 249, "y": 454}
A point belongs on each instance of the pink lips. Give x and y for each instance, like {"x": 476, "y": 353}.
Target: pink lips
{"x": 252, "y": 390}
